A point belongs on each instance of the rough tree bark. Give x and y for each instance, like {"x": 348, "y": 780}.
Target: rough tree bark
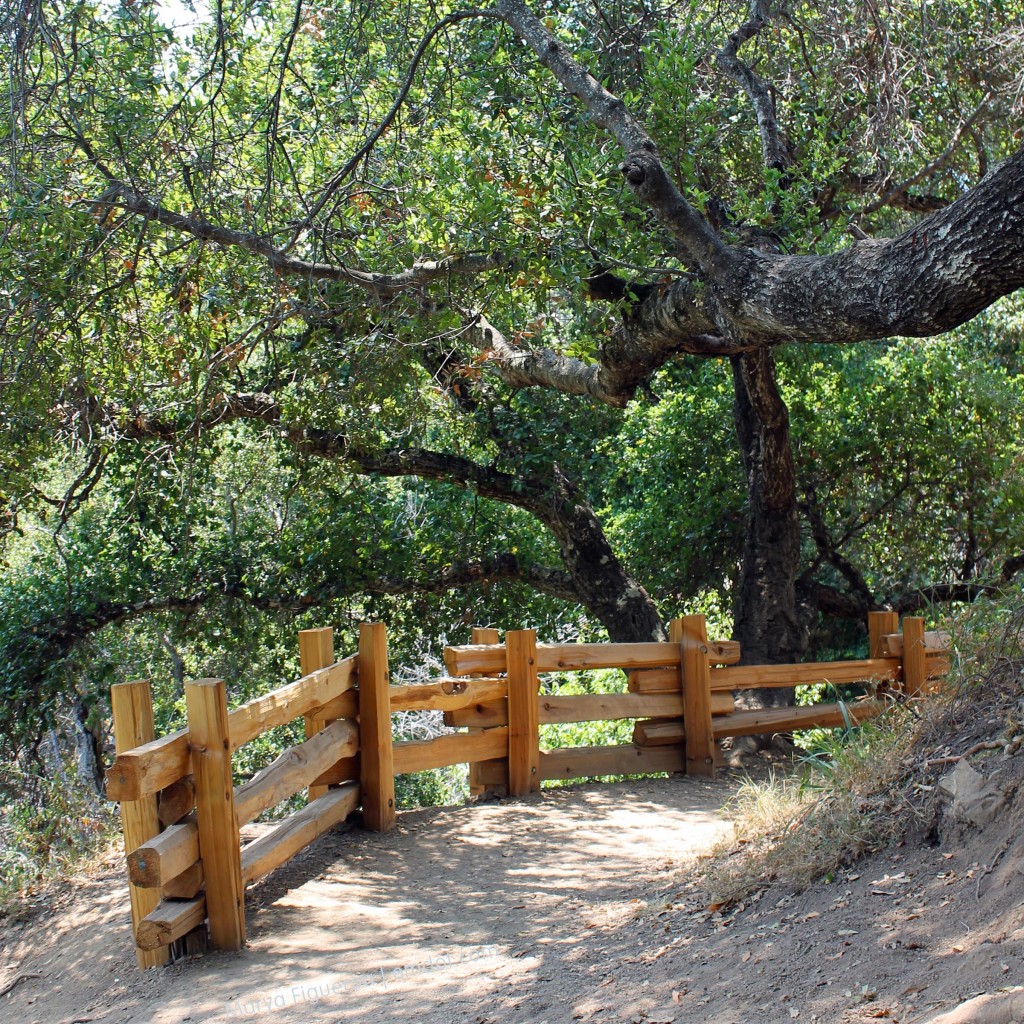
{"x": 767, "y": 619}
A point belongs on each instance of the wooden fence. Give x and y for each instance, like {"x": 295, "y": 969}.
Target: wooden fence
{"x": 182, "y": 815}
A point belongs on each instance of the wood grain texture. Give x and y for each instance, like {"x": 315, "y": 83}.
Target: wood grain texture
{"x": 297, "y": 768}
{"x": 316, "y": 651}
{"x": 446, "y": 694}
{"x": 770, "y": 720}
{"x": 690, "y": 632}
{"x": 176, "y": 801}
{"x": 164, "y": 856}
{"x": 185, "y": 886}
{"x": 454, "y": 748}
{"x": 298, "y": 831}
{"x": 377, "y": 771}
{"x": 219, "y": 845}
{"x": 523, "y": 712}
{"x": 880, "y": 624}
{"x": 151, "y": 767}
{"x": 755, "y": 677}
{"x": 132, "y": 707}
{"x": 485, "y": 635}
{"x": 623, "y": 759}
{"x": 170, "y": 920}
{"x": 915, "y": 667}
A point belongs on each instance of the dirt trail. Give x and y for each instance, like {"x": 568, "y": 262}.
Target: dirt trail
{"x": 573, "y": 905}
{"x": 497, "y": 912}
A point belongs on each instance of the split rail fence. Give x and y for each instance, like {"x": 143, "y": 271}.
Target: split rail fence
{"x": 182, "y": 815}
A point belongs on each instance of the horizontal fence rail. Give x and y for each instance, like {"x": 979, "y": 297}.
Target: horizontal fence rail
{"x": 182, "y": 817}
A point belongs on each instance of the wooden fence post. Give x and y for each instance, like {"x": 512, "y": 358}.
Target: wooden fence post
{"x": 690, "y": 632}
{"x": 219, "y": 845}
{"x": 915, "y": 672}
{"x": 880, "y": 625}
{"x": 523, "y": 712}
{"x": 316, "y": 650}
{"x": 481, "y": 635}
{"x": 132, "y": 707}
{"x": 377, "y": 765}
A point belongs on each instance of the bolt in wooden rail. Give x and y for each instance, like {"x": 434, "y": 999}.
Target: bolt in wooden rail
{"x": 316, "y": 651}
{"x": 523, "y": 712}
{"x": 915, "y": 670}
{"x": 132, "y": 707}
{"x": 377, "y": 767}
{"x": 219, "y": 844}
{"x": 164, "y": 856}
{"x": 690, "y": 632}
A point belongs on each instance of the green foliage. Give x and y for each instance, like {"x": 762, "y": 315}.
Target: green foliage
{"x": 675, "y": 491}
{"x": 924, "y": 433}
{"x": 438, "y": 787}
{"x": 48, "y": 825}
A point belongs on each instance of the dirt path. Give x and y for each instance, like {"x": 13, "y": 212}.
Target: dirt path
{"x": 502, "y": 912}
{"x": 573, "y": 905}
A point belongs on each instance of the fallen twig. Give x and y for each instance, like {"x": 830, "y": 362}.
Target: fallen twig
{"x": 991, "y": 867}
{"x": 12, "y": 985}
{"x": 954, "y": 758}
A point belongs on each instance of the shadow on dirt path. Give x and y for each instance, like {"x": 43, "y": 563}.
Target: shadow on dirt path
{"x": 514, "y": 912}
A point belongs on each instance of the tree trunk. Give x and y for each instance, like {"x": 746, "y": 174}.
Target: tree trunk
{"x": 767, "y": 619}
{"x": 89, "y": 749}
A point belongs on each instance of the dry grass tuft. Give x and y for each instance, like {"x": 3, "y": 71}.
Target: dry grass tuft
{"x": 803, "y": 826}
{"x": 876, "y": 784}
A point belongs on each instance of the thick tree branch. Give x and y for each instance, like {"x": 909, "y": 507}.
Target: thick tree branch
{"x": 924, "y": 282}
{"x": 774, "y": 147}
{"x": 62, "y": 634}
{"x": 651, "y": 334}
{"x": 833, "y": 602}
{"x": 642, "y": 168}
{"x": 928, "y": 280}
{"x": 526, "y": 368}
{"x": 828, "y": 549}
{"x": 898, "y": 199}
{"x": 625, "y": 363}
{"x": 960, "y": 592}
{"x": 384, "y": 285}
{"x": 849, "y": 605}
{"x": 598, "y": 577}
